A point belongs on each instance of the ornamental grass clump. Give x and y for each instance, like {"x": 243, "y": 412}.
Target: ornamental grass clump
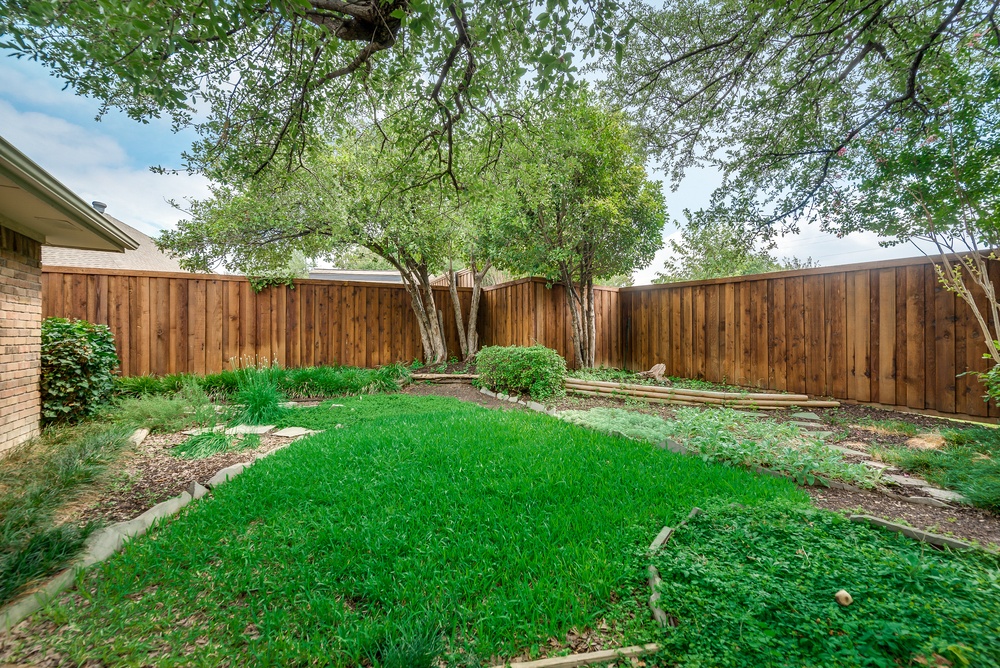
{"x": 537, "y": 371}
{"x": 258, "y": 399}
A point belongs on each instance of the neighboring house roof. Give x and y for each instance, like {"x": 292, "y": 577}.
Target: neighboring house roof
{"x": 465, "y": 278}
{"x": 373, "y": 276}
{"x": 35, "y": 204}
{"x": 145, "y": 257}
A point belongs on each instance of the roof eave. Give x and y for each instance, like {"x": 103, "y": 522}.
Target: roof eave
{"x": 39, "y": 183}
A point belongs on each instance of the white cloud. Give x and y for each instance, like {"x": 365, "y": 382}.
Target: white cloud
{"x": 97, "y": 167}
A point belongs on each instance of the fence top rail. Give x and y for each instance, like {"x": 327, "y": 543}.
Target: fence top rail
{"x": 90, "y": 271}
{"x": 539, "y": 279}
{"x": 793, "y": 273}
{"x": 191, "y": 276}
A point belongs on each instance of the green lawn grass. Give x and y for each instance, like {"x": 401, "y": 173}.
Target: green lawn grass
{"x": 422, "y": 527}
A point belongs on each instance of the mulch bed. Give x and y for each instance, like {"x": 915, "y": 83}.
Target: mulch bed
{"x": 151, "y": 474}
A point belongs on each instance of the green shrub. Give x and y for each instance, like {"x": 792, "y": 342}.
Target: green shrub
{"x": 78, "y": 368}
{"x": 536, "y": 370}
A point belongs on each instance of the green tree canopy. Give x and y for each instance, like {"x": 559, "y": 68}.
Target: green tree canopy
{"x": 580, "y": 206}
{"x": 716, "y": 249}
{"x": 776, "y": 94}
{"x": 261, "y": 80}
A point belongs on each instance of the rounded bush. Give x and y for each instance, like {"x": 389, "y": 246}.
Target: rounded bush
{"x": 78, "y": 368}
{"x": 536, "y": 370}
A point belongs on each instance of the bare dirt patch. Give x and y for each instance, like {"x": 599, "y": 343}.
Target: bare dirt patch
{"x": 463, "y": 391}
{"x": 964, "y": 523}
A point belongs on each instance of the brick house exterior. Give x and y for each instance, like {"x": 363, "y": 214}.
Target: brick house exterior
{"x": 35, "y": 210}
{"x": 20, "y": 330}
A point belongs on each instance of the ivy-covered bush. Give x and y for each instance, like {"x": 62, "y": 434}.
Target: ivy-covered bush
{"x": 78, "y": 368}
{"x": 536, "y": 370}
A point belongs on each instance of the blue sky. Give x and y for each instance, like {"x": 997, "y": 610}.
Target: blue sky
{"x": 109, "y": 161}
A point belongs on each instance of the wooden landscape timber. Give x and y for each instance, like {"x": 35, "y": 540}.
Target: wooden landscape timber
{"x": 444, "y": 377}
{"x": 687, "y": 397}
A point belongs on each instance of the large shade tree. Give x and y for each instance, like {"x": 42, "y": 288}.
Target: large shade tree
{"x": 263, "y": 79}
{"x": 874, "y": 116}
{"x": 580, "y": 206}
{"x": 350, "y": 196}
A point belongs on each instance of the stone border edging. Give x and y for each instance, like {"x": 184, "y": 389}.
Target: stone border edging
{"x": 533, "y": 405}
{"x": 585, "y": 659}
{"x": 104, "y": 543}
{"x": 916, "y": 534}
{"x": 654, "y": 580}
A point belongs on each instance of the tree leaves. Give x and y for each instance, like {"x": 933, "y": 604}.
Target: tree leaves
{"x": 264, "y": 81}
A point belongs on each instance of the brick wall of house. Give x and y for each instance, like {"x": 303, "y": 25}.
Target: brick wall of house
{"x": 20, "y": 337}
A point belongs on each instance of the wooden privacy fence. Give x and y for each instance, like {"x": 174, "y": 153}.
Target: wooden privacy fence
{"x": 196, "y": 323}
{"x": 528, "y": 310}
{"x": 884, "y": 333}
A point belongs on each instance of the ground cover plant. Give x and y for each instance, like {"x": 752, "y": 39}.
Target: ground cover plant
{"x": 533, "y": 370}
{"x": 321, "y": 381}
{"x": 423, "y": 529}
{"x": 36, "y": 479}
{"x": 969, "y": 463}
{"x": 726, "y": 436}
{"x": 755, "y": 587}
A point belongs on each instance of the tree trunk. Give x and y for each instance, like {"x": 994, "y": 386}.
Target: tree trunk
{"x": 468, "y": 330}
{"x": 417, "y": 282}
{"x": 472, "y": 334}
{"x": 581, "y": 317}
{"x": 456, "y": 304}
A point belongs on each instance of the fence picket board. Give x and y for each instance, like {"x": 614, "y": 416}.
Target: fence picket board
{"x": 883, "y": 332}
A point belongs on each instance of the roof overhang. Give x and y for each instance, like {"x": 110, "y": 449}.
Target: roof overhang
{"x": 35, "y": 204}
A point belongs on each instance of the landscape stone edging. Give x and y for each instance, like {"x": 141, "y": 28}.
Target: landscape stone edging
{"x": 109, "y": 540}
{"x": 654, "y": 580}
{"x": 916, "y": 534}
{"x": 99, "y": 546}
{"x": 533, "y": 405}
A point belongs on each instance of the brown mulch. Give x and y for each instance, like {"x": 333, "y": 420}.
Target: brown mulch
{"x": 963, "y": 523}
{"x": 150, "y": 474}
{"x": 463, "y": 391}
